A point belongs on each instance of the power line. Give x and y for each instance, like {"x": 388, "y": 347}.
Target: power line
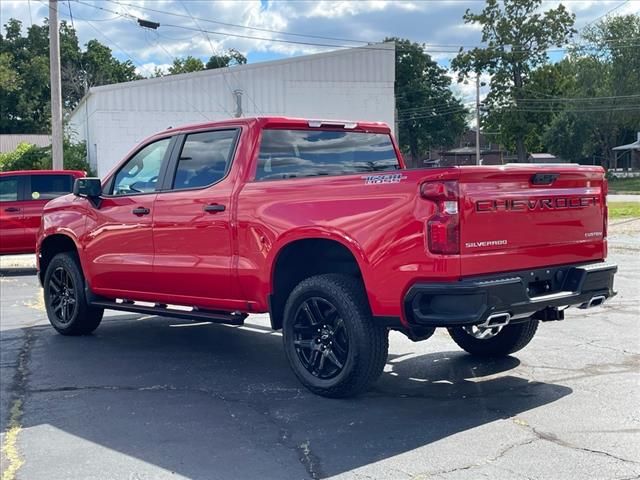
{"x": 307, "y": 43}
{"x": 424, "y": 109}
{"x": 455, "y": 47}
{"x": 30, "y": 17}
{"x": 338, "y": 39}
{"x": 575, "y": 99}
{"x": 614, "y": 108}
{"x": 422, "y": 117}
{"x": 606, "y": 14}
{"x": 217, "y": 53}
{"x": 127, "y": 54}
{"x": 185, "y": 93}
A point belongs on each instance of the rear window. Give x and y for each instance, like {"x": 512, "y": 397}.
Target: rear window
{"x": 46, "y": 187}
{"x": 310, "y": 153}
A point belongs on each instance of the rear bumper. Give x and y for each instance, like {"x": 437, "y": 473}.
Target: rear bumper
{"x": 521, "y": 294}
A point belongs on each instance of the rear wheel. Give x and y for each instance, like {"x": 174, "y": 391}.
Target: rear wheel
{"x": 330, "y": 339}
{"x": 64, "y": 297}
{"x": 494, "y": 342}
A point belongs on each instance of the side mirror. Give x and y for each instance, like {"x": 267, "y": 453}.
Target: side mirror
{"x": 90, "y": 188}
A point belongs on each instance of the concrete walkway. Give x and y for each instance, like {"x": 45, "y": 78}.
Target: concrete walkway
{"x": 613, "y": 197}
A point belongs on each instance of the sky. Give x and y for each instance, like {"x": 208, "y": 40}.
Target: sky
{"x": 307, "y": 26}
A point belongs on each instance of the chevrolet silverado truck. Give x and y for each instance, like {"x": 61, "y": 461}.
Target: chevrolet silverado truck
{"x": 320, "y": 224}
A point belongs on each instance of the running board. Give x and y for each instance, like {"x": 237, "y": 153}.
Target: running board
{"x": 231, "y": 318}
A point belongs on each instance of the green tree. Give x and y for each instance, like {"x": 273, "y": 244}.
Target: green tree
{"x": 517, "y": 37}
{"x": 602, "y": 85}
{"x": 24, "y": 74}
{"x": 186, "y": 65}
{"x": 101, "y": 68}
{"x": 26, "y": 63}
{"x": 228, "y": 59}
{"x": 31, "y": 157}
{"x": 428, "y": 113}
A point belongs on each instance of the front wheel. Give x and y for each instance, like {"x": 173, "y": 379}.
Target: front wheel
{"x": 65, "y": 299}
{"x": 494, "y": 342}
{"x": 330, "y": 339}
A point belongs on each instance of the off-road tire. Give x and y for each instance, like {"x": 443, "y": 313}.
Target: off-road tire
{"x": 83, "y": 318}
{"x": 367, "y": 342}
{"x": 509, "y": 340}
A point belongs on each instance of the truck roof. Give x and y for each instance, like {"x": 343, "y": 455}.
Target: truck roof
{"x": 75, "y": 173}
{"x": 285, "y": 122}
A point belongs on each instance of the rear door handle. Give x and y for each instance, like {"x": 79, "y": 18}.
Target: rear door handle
{"x": 12, "y": 209}
{"x": 215, "y": 207}
{"x": 141, "y": 211}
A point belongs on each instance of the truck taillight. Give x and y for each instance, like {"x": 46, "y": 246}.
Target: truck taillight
{"x": 443, "y": 228}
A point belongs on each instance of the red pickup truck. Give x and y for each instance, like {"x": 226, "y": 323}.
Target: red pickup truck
{"x": 23, "y": 195}
{"x": 320, "y": 224}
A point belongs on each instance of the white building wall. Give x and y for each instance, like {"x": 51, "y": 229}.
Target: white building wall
{"x": 354, "y": 84}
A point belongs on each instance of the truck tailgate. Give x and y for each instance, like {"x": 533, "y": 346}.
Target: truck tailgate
{"x": 527, "y": 216}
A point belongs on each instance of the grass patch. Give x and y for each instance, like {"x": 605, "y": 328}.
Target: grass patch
{"x": 624, "y": 185}
{"x": 624, "y": 209}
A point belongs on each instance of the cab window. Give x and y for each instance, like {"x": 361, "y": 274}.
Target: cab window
{"x": 140, "y": 174}
{"x": 9, "y": 189}
{"x": 204, "y": 158}
{"x": 310, "y": 153}
{"x": 46, "y": 187}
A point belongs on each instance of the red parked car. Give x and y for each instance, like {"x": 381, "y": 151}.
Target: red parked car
{"x": 23, "y": 195}
{"x": 320, "y": 224}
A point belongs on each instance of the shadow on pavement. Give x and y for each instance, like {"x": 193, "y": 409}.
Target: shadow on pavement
{"x": 211, "y": 401}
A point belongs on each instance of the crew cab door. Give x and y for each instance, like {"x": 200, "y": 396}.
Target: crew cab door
{"x": 12, "y": 237}
{"x": 119, "y": 240}
{"x": 39, "y": 189}
{"x": 192, "y": 230}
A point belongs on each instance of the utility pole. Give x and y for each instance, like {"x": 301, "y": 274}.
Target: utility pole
{"x": 478, "y": 119}
{"x": 56, "y": 89}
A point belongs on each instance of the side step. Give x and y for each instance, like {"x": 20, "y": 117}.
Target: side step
{"x": 232, "y": 318}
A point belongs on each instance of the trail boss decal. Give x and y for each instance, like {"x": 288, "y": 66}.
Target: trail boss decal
{"x": 375, "y": 179}
{"x": 531, "y": 204}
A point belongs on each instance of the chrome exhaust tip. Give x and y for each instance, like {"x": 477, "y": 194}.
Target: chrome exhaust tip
{"x": 496, "y": 320}
{"x": 594, "y": 302}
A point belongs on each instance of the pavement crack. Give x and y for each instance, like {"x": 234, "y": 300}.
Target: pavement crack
{"x": 486, "y": 461}
{"x": 19, "y": 391}
{"x": 592, "y": 343}
{"x": 507, "y": 449}
{"x": 309, "y": 460}
{"x": 552, "y": 438}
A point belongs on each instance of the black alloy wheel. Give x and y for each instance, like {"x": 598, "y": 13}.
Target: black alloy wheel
{"x": 62, "y": 294}
{"x": 65, "y": 297}
{"x": 333, "y": 344}
{"x": 320, "y": 338}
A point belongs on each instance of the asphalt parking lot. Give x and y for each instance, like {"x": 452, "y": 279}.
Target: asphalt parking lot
{"x": 155, "y": 398}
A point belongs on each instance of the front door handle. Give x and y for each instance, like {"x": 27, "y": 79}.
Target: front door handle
{"x": 215, "y": 207}
{"x": 12, "y": 209}
{"x": 141, "y": 211}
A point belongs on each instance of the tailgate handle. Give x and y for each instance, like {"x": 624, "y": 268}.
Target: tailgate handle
{"x": 544, "y": 178}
